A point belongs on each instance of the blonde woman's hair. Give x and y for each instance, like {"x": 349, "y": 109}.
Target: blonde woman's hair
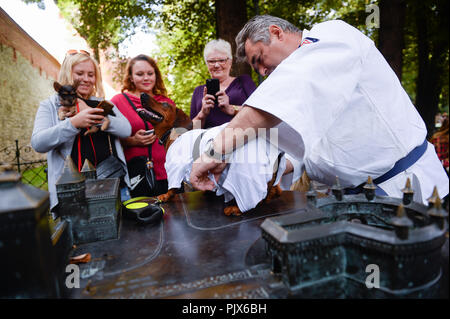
{"x": 66, "y": 77}
{"x": 219, "y": 45}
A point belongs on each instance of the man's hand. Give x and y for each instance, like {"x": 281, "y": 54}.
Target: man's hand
{"x": 201, "y": 169}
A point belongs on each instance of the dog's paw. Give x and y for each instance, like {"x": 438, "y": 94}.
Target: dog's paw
{"x": 91, "y": 130}
{"x": 232, "y": 210}
{"x": 105, "y": 124}
{"x": 274, "y": 192}
{"x": 164, "y": 197}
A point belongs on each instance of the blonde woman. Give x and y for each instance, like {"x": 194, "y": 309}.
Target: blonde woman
{"x": 61, "y": 138}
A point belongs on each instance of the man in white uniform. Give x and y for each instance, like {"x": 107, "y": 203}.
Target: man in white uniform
{"x": 339, "y": 107}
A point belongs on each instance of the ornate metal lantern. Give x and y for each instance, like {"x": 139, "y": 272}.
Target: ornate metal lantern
{"x": 28, "y": 264}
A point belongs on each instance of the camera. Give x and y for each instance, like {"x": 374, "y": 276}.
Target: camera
{"x": 212, "y": 86}
{"x": 149, "y": 132}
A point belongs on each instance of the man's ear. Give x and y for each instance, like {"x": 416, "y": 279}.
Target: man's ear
{"x": 276, "y": 31}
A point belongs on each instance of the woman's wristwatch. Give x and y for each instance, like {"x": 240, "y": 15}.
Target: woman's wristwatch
{"x": 236, "y": 109}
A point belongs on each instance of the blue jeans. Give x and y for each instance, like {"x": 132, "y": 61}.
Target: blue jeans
{"x": 124, "y": 194}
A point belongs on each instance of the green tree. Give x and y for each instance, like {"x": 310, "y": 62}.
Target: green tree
{"x": 184, "y": 27}
{"x": 182, "y": 30}
{"x": 391, "y": 33}
{"x": 431, "y": 25}
{"x": 106, "y": 23}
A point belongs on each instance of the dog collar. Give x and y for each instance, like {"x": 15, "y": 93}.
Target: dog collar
{"x": 164, "y": 137}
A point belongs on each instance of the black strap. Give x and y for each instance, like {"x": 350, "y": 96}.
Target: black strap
{"x": 145, "y": 123}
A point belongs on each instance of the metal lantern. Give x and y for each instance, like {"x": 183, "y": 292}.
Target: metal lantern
{"x": 28, "y": 267}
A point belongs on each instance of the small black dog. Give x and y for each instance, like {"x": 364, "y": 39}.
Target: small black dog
{"x": 68, "y": 99}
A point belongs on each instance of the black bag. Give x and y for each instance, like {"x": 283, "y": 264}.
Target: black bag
{"x": 111, "y": 167}
{"x": 140, "y": 169}
{"x": 142, "y": 177}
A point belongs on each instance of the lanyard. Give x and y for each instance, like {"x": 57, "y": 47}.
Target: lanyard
{"x": 79, "y": 147}
{"x": 149, "y": 158}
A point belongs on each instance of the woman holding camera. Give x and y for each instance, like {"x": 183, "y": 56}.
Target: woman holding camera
{"x": 142, "y": 75}
{"x": 215, "y": 110}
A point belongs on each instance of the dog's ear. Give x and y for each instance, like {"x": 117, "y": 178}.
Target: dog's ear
{"x": 107, "y": 107}
{"x": 76, "y": 83}
{"x": 183, "y": 120}
{"x": 56, "y": 86}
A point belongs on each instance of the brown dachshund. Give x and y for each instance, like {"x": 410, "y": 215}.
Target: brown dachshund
{"x": 165, "y": 118}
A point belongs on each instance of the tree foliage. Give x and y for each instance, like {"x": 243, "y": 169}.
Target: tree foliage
{"x": 184, "y": 27}
{"x": 106, "y": 23}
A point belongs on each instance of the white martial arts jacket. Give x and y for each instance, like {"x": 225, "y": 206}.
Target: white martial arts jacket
{"x": 346, "y": 114}
{"x": 244, "y": 179}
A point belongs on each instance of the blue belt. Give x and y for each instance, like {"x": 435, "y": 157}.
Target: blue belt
{"x": 400, "y": 166}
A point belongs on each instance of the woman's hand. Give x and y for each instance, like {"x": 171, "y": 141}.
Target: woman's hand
{"x": 207, "y": 104}
{"x": 140, "y": 138}
{"x": 87, "y": 116}
{"x": 224, "y": 103}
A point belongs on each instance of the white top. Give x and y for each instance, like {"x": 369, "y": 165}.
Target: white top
{"x": 346, "y": 114}
{"x": 244, "y": 179}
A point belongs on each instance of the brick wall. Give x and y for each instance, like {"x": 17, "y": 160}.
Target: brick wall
{"x": 27, "y": 72}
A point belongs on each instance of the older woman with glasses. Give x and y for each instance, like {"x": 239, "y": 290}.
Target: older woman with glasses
{"x": 61, "y": 138}
{"x": 221, "y": 108}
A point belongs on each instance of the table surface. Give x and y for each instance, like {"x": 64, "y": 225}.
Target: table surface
{"x": 194, "y": 252}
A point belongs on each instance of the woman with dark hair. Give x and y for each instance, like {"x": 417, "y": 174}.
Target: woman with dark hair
{"x": 142, "y": 75}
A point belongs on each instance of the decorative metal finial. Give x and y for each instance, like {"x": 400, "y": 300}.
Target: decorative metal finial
{"x": 88, "y": 170}
{"x": 369, "y": 189}
{"x": 337, "y": 190}
{"x": 408, "y": 192}
{"x": 437, "y": 214}
{"x": 401, "y": 223}
{"x": 87, "y": 166}
{"x": 69, "y": 173}
{"x": 432, "y": 199}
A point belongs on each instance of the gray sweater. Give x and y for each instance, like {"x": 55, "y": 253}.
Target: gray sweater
{"x": 56, "y": 137}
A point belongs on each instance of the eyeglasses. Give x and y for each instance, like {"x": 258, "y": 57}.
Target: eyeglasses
{"x": 72, "y": 52}
{"x": 220, "y": 61}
